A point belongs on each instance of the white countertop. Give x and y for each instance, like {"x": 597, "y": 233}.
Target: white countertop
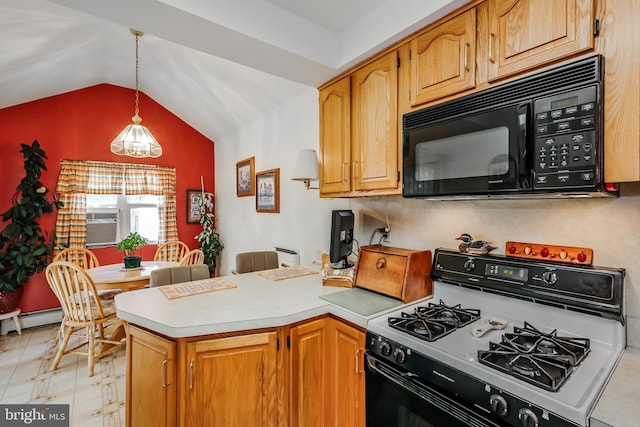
{"x": 256, "y": 302}
{"x": 618, "y": 405}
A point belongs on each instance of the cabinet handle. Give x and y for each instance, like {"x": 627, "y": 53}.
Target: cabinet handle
{"x": 358, "y": 371}
{"x": 191, "y": 375}
{"x": 164, "y": 373}
{"x": 491, "y": 37}
{"x": 466, "y": 56}
{"x": 345, "y": 165}
{"x": 355, "y": 170}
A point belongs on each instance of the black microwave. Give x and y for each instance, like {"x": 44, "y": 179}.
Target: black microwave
{"x": 539, "y": 136}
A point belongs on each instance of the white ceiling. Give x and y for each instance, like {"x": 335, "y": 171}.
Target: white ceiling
{"x": 214, "y": 63}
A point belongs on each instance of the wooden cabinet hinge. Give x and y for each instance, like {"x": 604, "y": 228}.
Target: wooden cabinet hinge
{"x": 596, "y": 27}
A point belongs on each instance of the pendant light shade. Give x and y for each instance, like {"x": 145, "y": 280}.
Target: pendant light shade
{"x": 135, "y": 140}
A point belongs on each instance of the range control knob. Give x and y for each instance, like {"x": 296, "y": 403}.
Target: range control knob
{"x": 550, "y": 277}
{"x": 582, "y": 257}
{"x": 499, "y": 406}
{"x": 385, "y": 348}
{"x": 469, "y": 265}
{"x": 563, "y": 254}
{"x": 544, "y": 252}
{"x": 400, "y": 355}
{"x": 528, "y": 418}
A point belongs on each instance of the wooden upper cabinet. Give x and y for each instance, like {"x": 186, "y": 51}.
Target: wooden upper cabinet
{"x": 443, "y": 59}
{"x": 231, "y": 381}
{"x": 374, "y": 121}
{"x": 524, "y": 34}
{"x": 335, "y": 137}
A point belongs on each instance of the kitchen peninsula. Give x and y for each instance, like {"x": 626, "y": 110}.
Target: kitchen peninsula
{"x": 265, "y": 353}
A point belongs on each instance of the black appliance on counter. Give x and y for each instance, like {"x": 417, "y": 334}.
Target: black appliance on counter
{"x": 539, "y": 136}
{"x": 563, "y": 337}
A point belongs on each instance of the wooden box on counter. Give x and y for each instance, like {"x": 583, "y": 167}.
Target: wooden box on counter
{"x": 399, "y": 273}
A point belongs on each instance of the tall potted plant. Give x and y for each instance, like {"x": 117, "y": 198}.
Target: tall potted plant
{"x": 129, "y": 245}
{"x": 25, "y": 249}
{"x": 209, "y": 239}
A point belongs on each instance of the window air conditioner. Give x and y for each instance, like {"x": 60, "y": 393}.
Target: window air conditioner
{"x": 102, "y": 227}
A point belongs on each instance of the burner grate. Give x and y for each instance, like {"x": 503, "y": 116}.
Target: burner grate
{"x": 434, "y": 321}
{"x": 543, "y": 359}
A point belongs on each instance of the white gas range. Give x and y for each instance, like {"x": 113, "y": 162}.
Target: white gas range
{"x": 563, "y": 337}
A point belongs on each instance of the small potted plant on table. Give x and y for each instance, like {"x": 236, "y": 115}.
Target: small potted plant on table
{"x": 129, "y": 245}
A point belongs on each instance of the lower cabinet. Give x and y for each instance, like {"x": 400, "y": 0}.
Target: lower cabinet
{"x": 346, "y": 375}
{"x": 327, "y": 374}
{"x": 151, "y": 379}
{"x": 231, "y": 381}
{"x": 246, "y": 380}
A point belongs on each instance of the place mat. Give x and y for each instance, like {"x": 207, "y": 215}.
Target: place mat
{"x": 286, "y": 272}
{"x": 186, "y": 289}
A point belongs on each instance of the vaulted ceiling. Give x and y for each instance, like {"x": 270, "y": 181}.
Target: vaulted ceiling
{"x": 213, "y": 63}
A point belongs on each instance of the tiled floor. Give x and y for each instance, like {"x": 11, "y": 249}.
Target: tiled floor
{"x": 25, "y": 378}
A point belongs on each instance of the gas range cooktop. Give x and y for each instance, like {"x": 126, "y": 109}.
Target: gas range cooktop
{"x": 552, "y": 359}
{"x": 434, "y": 321}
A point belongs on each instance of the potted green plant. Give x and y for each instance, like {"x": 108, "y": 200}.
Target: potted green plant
{"x": 209, "y": 239}
{"x": 129, "y": 245}
{"x": 25, "y": 249}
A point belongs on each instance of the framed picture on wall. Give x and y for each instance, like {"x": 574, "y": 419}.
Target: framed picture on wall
{"x": 245, "y": 182}
{"x": 268, "y": 191}
{"x": 193, "y": 211}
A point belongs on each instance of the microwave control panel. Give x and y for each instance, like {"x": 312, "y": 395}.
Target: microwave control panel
{"x": 566, "y": 146}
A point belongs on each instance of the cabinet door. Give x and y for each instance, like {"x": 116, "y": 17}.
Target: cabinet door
{"x": 231, "y": 382}
{"x": 524, "y": 34}
{"x": 443, "y": 59}
{"x": 335, "y": 137}
{"x": 151, "y": 380}
{"x": 346, "y": 375}
{"x": 308, "y": 359}
{"x": 374, "y": 124}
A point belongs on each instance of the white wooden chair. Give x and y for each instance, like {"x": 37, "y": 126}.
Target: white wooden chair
{"x": 84, "y": 314}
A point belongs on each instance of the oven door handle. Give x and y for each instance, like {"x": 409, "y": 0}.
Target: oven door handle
{"x": 405, "y": 380}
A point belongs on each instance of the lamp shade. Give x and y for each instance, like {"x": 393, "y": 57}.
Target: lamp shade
{"x": 306, "y": 166}
{"x": 135, "y": 140}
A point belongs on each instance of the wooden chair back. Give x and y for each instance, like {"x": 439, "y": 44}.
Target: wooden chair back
{"x": 82, "y": 257}
{"x": 84, "y": 314}
{"x": 193, "y": 257}
{"x": 171, "y": 251}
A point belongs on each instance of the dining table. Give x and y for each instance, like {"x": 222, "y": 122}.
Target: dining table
{"x": 115, "y": 276}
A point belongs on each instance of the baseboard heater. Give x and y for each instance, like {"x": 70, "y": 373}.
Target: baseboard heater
{"x": 32, "y": 320}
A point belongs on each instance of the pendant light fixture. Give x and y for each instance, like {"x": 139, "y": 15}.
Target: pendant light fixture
{"x": 135, "y": 140}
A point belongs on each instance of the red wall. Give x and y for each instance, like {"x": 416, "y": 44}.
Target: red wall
{"x": 80, "y": 125}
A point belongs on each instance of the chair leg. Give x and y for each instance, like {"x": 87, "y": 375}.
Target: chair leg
{"x": 61, "y": 347}
{"x": 92, "y": 348}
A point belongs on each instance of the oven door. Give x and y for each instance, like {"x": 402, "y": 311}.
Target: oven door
{"x": 479, "y": 154}
{"x": 396, "y": 398}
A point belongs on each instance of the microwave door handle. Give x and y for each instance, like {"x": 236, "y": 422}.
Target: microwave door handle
{"x": 525, "y": 147}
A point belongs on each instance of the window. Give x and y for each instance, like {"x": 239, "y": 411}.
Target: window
{"x": 111, "y": 216}
{"x": 103, "y": 202}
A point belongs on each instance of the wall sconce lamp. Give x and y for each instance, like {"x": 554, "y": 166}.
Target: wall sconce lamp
{"x": 306, "y": 168}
